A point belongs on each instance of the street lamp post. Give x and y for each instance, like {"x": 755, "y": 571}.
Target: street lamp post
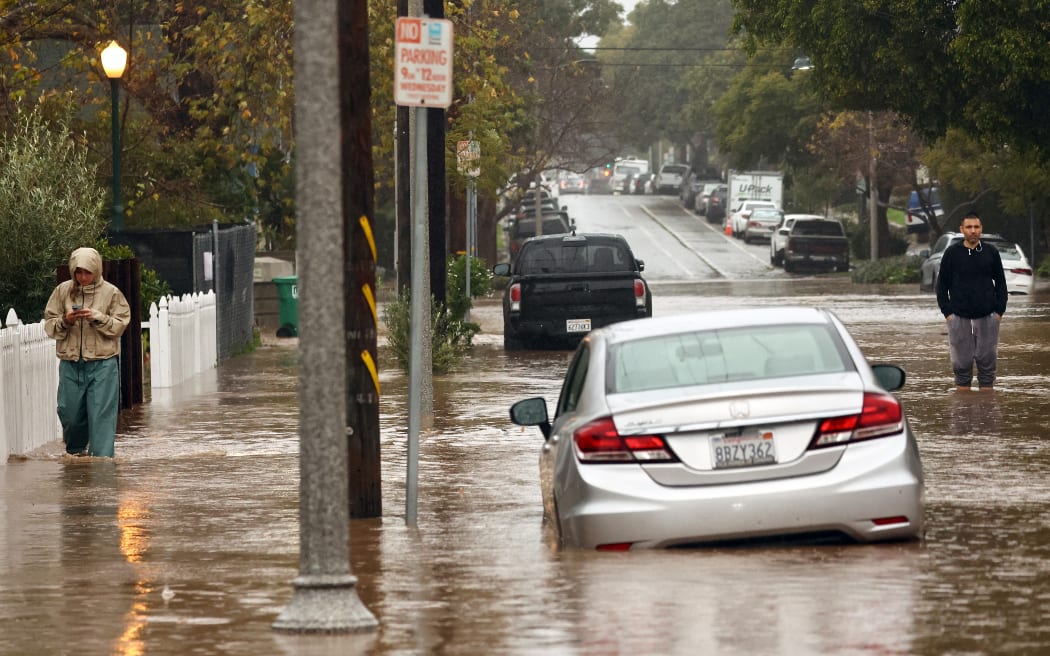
{"x": 114, "y": 60}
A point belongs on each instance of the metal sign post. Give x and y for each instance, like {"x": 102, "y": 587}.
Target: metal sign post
{"x": 468, "y": 158}
{"x": 422, "y": 79}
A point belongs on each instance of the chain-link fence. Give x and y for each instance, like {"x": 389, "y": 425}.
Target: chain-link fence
{"x": 219, "y": 258}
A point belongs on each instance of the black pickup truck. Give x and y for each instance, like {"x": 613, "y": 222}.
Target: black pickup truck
{"x": 563, "y": 286}
{"x": 816, "y": 243}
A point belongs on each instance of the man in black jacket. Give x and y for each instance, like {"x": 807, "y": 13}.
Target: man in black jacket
{"x": 971, "y": 292}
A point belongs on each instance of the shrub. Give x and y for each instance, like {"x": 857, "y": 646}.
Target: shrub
{"x": 50, "y": 204}
{"x": 1044, "y": 268}
{"x": 456, "y": 286}
{"x": 901, "y": 269}
{"x": 451, "y": 337}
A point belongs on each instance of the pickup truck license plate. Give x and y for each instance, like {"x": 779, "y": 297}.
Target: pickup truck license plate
{"x": 577, "y": 325}
{"x": 742, "y": 450}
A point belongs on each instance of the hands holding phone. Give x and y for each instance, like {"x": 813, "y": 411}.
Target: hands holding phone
{"x": 78, "y": 312}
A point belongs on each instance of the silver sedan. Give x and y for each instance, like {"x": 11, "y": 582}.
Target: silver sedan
{"x": 724, "y": 426}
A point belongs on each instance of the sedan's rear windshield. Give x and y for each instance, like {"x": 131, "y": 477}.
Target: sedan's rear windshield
{"x": 575, "y": 256}
{"x": 718, "y": 356}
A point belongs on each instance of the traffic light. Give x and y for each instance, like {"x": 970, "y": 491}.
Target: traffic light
{"x": 608, "y": 166}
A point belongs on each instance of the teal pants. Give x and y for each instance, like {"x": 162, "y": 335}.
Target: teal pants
{"x": 88, "y": 402}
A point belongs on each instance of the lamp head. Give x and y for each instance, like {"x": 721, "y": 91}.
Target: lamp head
{"x": 114, "y": 59}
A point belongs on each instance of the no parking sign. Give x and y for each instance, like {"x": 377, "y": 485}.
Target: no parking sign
{"x": 423, "y": 62}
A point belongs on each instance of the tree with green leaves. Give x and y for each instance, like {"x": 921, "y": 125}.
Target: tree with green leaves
{"x": 980, "y": 66}
{"x": 50, "y": 204}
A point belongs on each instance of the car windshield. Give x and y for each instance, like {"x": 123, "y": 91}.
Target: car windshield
{"x": 771, "y": 216}
{"x": 718, "y": 356}
{"x": 674, "y": 169}
{"x": 818, "y": 228}
{"x": 1008, "y": 251}
{"x": 575, "y": 256}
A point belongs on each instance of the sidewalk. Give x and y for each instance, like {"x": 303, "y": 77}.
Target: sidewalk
{"x": 188, "y": 541}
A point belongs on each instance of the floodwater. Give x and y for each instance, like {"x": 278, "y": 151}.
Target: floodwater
{"x": 202, "y": 502}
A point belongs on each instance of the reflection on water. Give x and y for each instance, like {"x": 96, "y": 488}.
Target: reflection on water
{"x": 204, "y": 500}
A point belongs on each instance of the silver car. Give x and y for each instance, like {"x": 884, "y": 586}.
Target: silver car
{"x": 1018, "y": 272}
{"x": 723, "y": 426}
{"x": 762, "y": 224}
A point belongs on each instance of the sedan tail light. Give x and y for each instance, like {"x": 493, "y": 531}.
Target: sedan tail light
{"x": 515, "y": 297}
{"x": 881, "y": 416}
{"x": 639, "y": 293}
{"x": 1021, "y": 271}
{"x": 599, "y": 442}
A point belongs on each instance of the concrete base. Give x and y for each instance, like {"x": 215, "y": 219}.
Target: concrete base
{"x": 325, "y": 604}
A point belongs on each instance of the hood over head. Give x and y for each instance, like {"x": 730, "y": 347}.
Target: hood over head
{"x": 88, "y": 259}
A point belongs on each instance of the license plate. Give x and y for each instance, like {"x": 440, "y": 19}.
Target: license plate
{"x": 577, "y": 325}
{"x": 742, "y": 450}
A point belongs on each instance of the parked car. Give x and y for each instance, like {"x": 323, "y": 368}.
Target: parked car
{"x": 762, "y": 223}
{"x": 715, "y": 204}
{"x": 723, "y": 426}
{"x": 599, "y": 181}
{"x": 701, "y": 202}
{"x": 643, "y": 183}
{"x": 691, "y": 186}
{"x": 572, "y": 183}
{"x": 916, "y": 219}
{"x": 669, "y": 179}
{"x": 1019, "y": 276}
{"x": 546, "y": 205}
{"x": 563, "y": 286}
{"x": 778, "y": 239}
{"x": 739, "y": 216}
{"x": 523, "y": 226}
{"x": 816, "y": 243}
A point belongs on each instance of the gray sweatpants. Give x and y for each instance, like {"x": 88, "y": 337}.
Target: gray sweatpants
{"x": 974, "y": 340}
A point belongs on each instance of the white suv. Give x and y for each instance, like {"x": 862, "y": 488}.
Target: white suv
{"x": 669, "y": 179}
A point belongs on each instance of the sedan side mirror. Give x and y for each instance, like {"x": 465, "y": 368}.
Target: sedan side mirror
{"x": 890, "y": 376}
{"x": 641, "y": 265}
{"x": 924, "y": 253}
{"x": 532, "y": 412}
{"x": 501, "y": 269}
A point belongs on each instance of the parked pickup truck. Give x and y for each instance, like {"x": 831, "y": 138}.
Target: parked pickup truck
{"x": 563, "y": 286}
{"x": 815, "y": 243}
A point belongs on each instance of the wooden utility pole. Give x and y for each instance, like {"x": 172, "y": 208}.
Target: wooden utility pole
{"x": 359, "y": 260}
{"x": 436, "y": 203}
{"x": 403, "y": 191}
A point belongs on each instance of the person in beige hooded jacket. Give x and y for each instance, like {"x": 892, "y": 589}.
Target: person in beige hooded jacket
{"x": 86, "y": 317}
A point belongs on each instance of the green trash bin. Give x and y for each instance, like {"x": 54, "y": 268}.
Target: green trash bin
{"x": 288, "y": 294}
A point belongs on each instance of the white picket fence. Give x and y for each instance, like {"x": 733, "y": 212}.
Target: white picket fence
{"x": 28, "y": 388}
{"x": 182, "y": 338}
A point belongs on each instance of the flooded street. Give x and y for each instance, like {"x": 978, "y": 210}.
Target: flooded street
{"x": 203, "y": 502}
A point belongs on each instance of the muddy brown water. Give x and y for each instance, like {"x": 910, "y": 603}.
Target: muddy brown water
{"x": 202, "y": 500}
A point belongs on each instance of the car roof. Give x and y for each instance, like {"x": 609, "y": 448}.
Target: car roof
{"x": 804, "y": 216}
{"x": 579, "y": 236}
{"x": 990, "y": 236}
{"x": 626, "y": 331}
